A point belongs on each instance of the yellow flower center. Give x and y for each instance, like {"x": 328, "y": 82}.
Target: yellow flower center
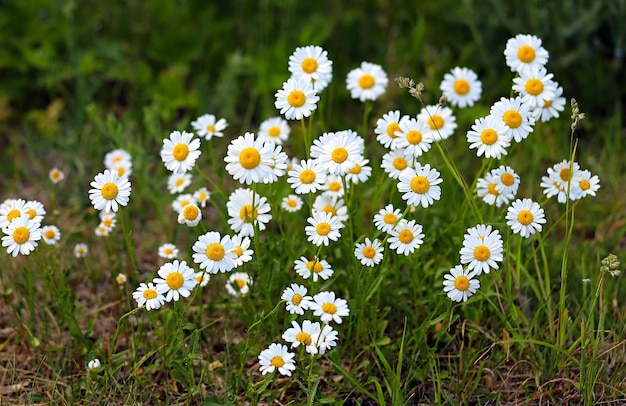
{"x": 238, "y": 251}
{"x": 180, "y": 152}
{"x": 512, "y": 118}
{"x": 55, "y": 175}
{"x": 461, "y": 283}
{"x": 584, "y": 184}
{"x": 190, "y": 212}
{"x": 49, "y": 234}
{"x": 339, "y": 155}
{"x": 240, "y": 283}
{"x": 13, "y": 214}
{"x": 109, "y": 191}
{"x": 296, "y": 299}
{"x": 292, "y": 203}
{"x": 21, "y": 235}
{"x": 547, "y": 103}
{"x": 247, "y": 213}
{"x": 414, "y": 137}
{"x": 356, "y": 170}
{"x": 215, "y": 252}
{"x": 296, "y": 98}
{"x": 334, "y": 186}
{"x": 369, "y": 252}
{"x": 249, "y": 158}
{"x": 304, "y": 338}
{"x": 174, "y": 280}
{"x": 435, "y": 122}
{"x": 180, "y": 181}
{"x": 420, "y": 185}
{"x": 526, "y": 53}
{"x": 277, "y": 361}
{"x": 314, "y": 266}
{"x": 390, "y": 218}
{"x": 406, "y": 236}
{"x": 399, "y": 163}
{"x": 330, "y": 209}
{"x": 307, "y": 176}
{"x": 322, "y": 228}
{"x": 121, "y": 279}
{"x": 534, "y": 87}
{"x": 309, "y": 65}
{"x": 210, "y": 128}
{"x": 168, "y": 251}
{"x": 492, "y": 189}
{"x": 391, "y": 130}
{"x": 149, "y": 294}
{"x": 461, "y": 86}
{"x": 525, "y": 217}
{"x": 121, "y": 171}
{"x": 31, "y": 213}
{"x": 488, "y": 136}
{"x": 273, "y": 132}
{"x": 482, "y": 253}
{"x": 564, "y": 174}
{"x": 329, "y": 308}
{"x": 366, "y": 81}
{"x": 507, "y": 179}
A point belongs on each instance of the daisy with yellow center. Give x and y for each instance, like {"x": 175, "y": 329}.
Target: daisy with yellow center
{"x": 316, "y": 268}
{"x": 311, "y": 63}
{"x": 516, "y": 115}
{"x": 121, "y": 278}
{"x": 120, "y": 161}
{"x": 461, "y": 87}
{"x": 414, "y": 137}
{"x": 360, "y": 173}
{"x": 307, "y": 177}
{"x": 202, "y": 278}
{"x": 395, "y": 162}
{"x": 304, "y": 335}
{"x": 551, "y": 108}
{"x": 420, "y": 185}
{"x": 238, "y": 284}
{"x": 176, "y": 280}
{"x": 507, "y": 180}
{"x": 247, "y": 210}
{"x": 214, "y": 253}
{"x": 249, "y": 159}
{"x": 441, "y": 121}
{"x": 277, "y": 357}
{"x": 329, "y": 308}
{"x": 523, "y": 52}
{"x": 386, "y": 128}
{"x": 291, "y": 203}
{"x": 108, "y": 220}
{"x": 180, "y": 151}
{"x": 487, "y": 189}
{"x": 482, "y": 249}
{"x": 333, "y": 204}
{"x": 21, "y": 235}
{"x": 81, "y": 250}
{"x": 190, "y": 215}
{"x": 459, "y": 284}
{"x": 109, "y": 191}
{"x": 367, "y": 82}
{"x": 587, "y": 184}
{"x": 297, "y": 99}
{"x": 406, "y": 237}
{"x": 56, "y": 175}
{"x": 489, "y": 137}
{"x": 324, "y": 227}
{"x": 525, "y": 217}
{"x": 183, "y": 200}
{"x": 178, "y": 182}
{"x": 386, "y": 218}
{"x": 242, "y": 250}
{"x": 202, "y": 195}
{"x": 275, "y": 129}
{"x": 559, "y": 177}
{"x": 147, "y": 295}
{"x": 50, "y": 234}
{"x": 168, "y": 251}
{"x": 534, "y": 85}
{"x": 208, "y": 126}
{"x": 296, "y": 299}
{"x": 338, "y": 152}
{"x": 369, "y": 252}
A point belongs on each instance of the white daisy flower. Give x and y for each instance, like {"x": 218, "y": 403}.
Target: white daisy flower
{"x": 489, "y": 137}
{"x": 525, "y": 217}
{"x": 248, "y": 159}
{"x": 243, "y": 219}
{"x": 122, "y": 169}
{"x": 304, "y": 334}
{"x": 312, "y": 63}
{"x": 535, "y": 86}
{"x": 277, "y": 356}
{"x": 21, "y": 235}
{"x": 94, "y": 365}
{"x": 275, "y": 129}
{"x": 102, "y": 231}
{"x": 414, "y": 137}
{"x": 202, "y": 278}
{"x": 148, "y": 295}
{"x": 56, "y": 175}
{"x": 370, "y": 253}
{"x": 121, "y": 278}
{"x": 183, "y": 200}
{"x": 406, "y": 237}
{"x": 35, "y": 210}
{"x": 368, "y": 82}
{"x": 326, "y": 339}
{"x": 201, "y": 196}
{"x": 441, "y": 121}
{"x": 242, "y": 250}
{"x": 329, "y": 308}
{"x": 190, "y": 215}
{"x": 168, "y": 251}
{"x": 291, "y": 203}
{"x": 296, "y": 299}
{"x": 176, "y": 280}
{"x": 420, "y": 185}
{"x": 109, "y": 191}
{"x": 214, "y": 253}
{"x": 459, "y": 284}
{"x": 108, "y": 220}
{"x": 117, "y": 157}
{"x": 334, "y": 186}
{"x": 559, "y": 176}
{"x": 81, "y": 250}
{"x": 323, "y": 228}
{"x": 279, "y": 163}
{"x": 238, "y": 284}
{"x": 395, "y": 163}
{"x": 360, "y": 173}
{"x": 297, "y": 99}
{"x": 318, "y": 268}
{"x": 338, "y": 152}
{"x": 307, "y": 177}
{"x": 523, "y": 52}
{"x": 461, "y": 87}
{"x": 587, "y": 183}
{"x": 180, "y": 151}
{"x": 178, "y": 182}
{"x": 507, "y": 180}
{"x": 386, "y": 218}
{"x": 208, "y": 126}
{"x": 482, "y": 249}
{"x": 551, "y": 108}
{"x": 517, "y": 116}
{"x": 386, "y": 128}
{"x": 50, "y": 234}
{"x": 10, "y": 210}
{"x": 487, "y": 189}
{"x": 332, "y": 204}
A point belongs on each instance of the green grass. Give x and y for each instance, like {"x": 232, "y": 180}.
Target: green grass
{"x": 79, "y": 82}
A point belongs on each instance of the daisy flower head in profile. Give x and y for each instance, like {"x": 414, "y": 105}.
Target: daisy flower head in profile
{"x": 277, "y": 357}
{"x": 56, "y": 175}
{"x": 338, "y": 152}
{"x": 94, "y": 365}
{"x": 461, "y": 87}
{"x": 406, "y": 237}
{"x": 329, "y": 308}
{"x": 535, "y": 85}
{"x": 168, "y": 251}
{"x": 297, "y": 99}
{"x": 81, "y": 250}
{"x": 208, "y": 126}
{"x": 525, "y": 217}
{"x": 367, "y": 82}
{"x": 459, "y": 284}
{"x": 489, "y": 137}
{"x": 395, "y": 163}
{"x": 296, "y": 299}
{"x": 291, "y": 203}
{"x": 326, "y": 339}
{"x": 176, "y": 279}
{"x": 190, "y": 215}
{"x": 482, "y": 249}
{"x": 369, "y": 252}
{"x": 238, "y": 284}
{"x": 180, "y": 151}
{"x": 109, "y": 191}
{"x": 275, "y": 129}
{"x": 317, "y": 268}
{"x": 420, "y": 185}
{"x": 247, "y": 210}
{"x": 525, "y": 51}
{"x": 307, "y": 177}
{"x": 487, "y": 189}
{"x": 551, "y": 108}
{"x": 386, "y": 128}
{"x": 50, "y": 234}
{"x": 386, "y": 218}
{"x": 147, "y": 295}
{"x": 440, "y": 120}
{"x": 311, "y": 63}
{"x": 507, "y": 180}
{"x": 249, "y": 159}
{"x": 21, "y": 235}
{"x": 242, "y": 249}
{"x": 214, "y": 253}
{"x": 517, "y": 116}
{"x": 588, "y": 184}
{"x": 303, "y": 334}
{"x": 202, "y": 196}
{"x": 414, "y": 137}
{"x": 178, "y": 182}
{"x": 323, "y": 227}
